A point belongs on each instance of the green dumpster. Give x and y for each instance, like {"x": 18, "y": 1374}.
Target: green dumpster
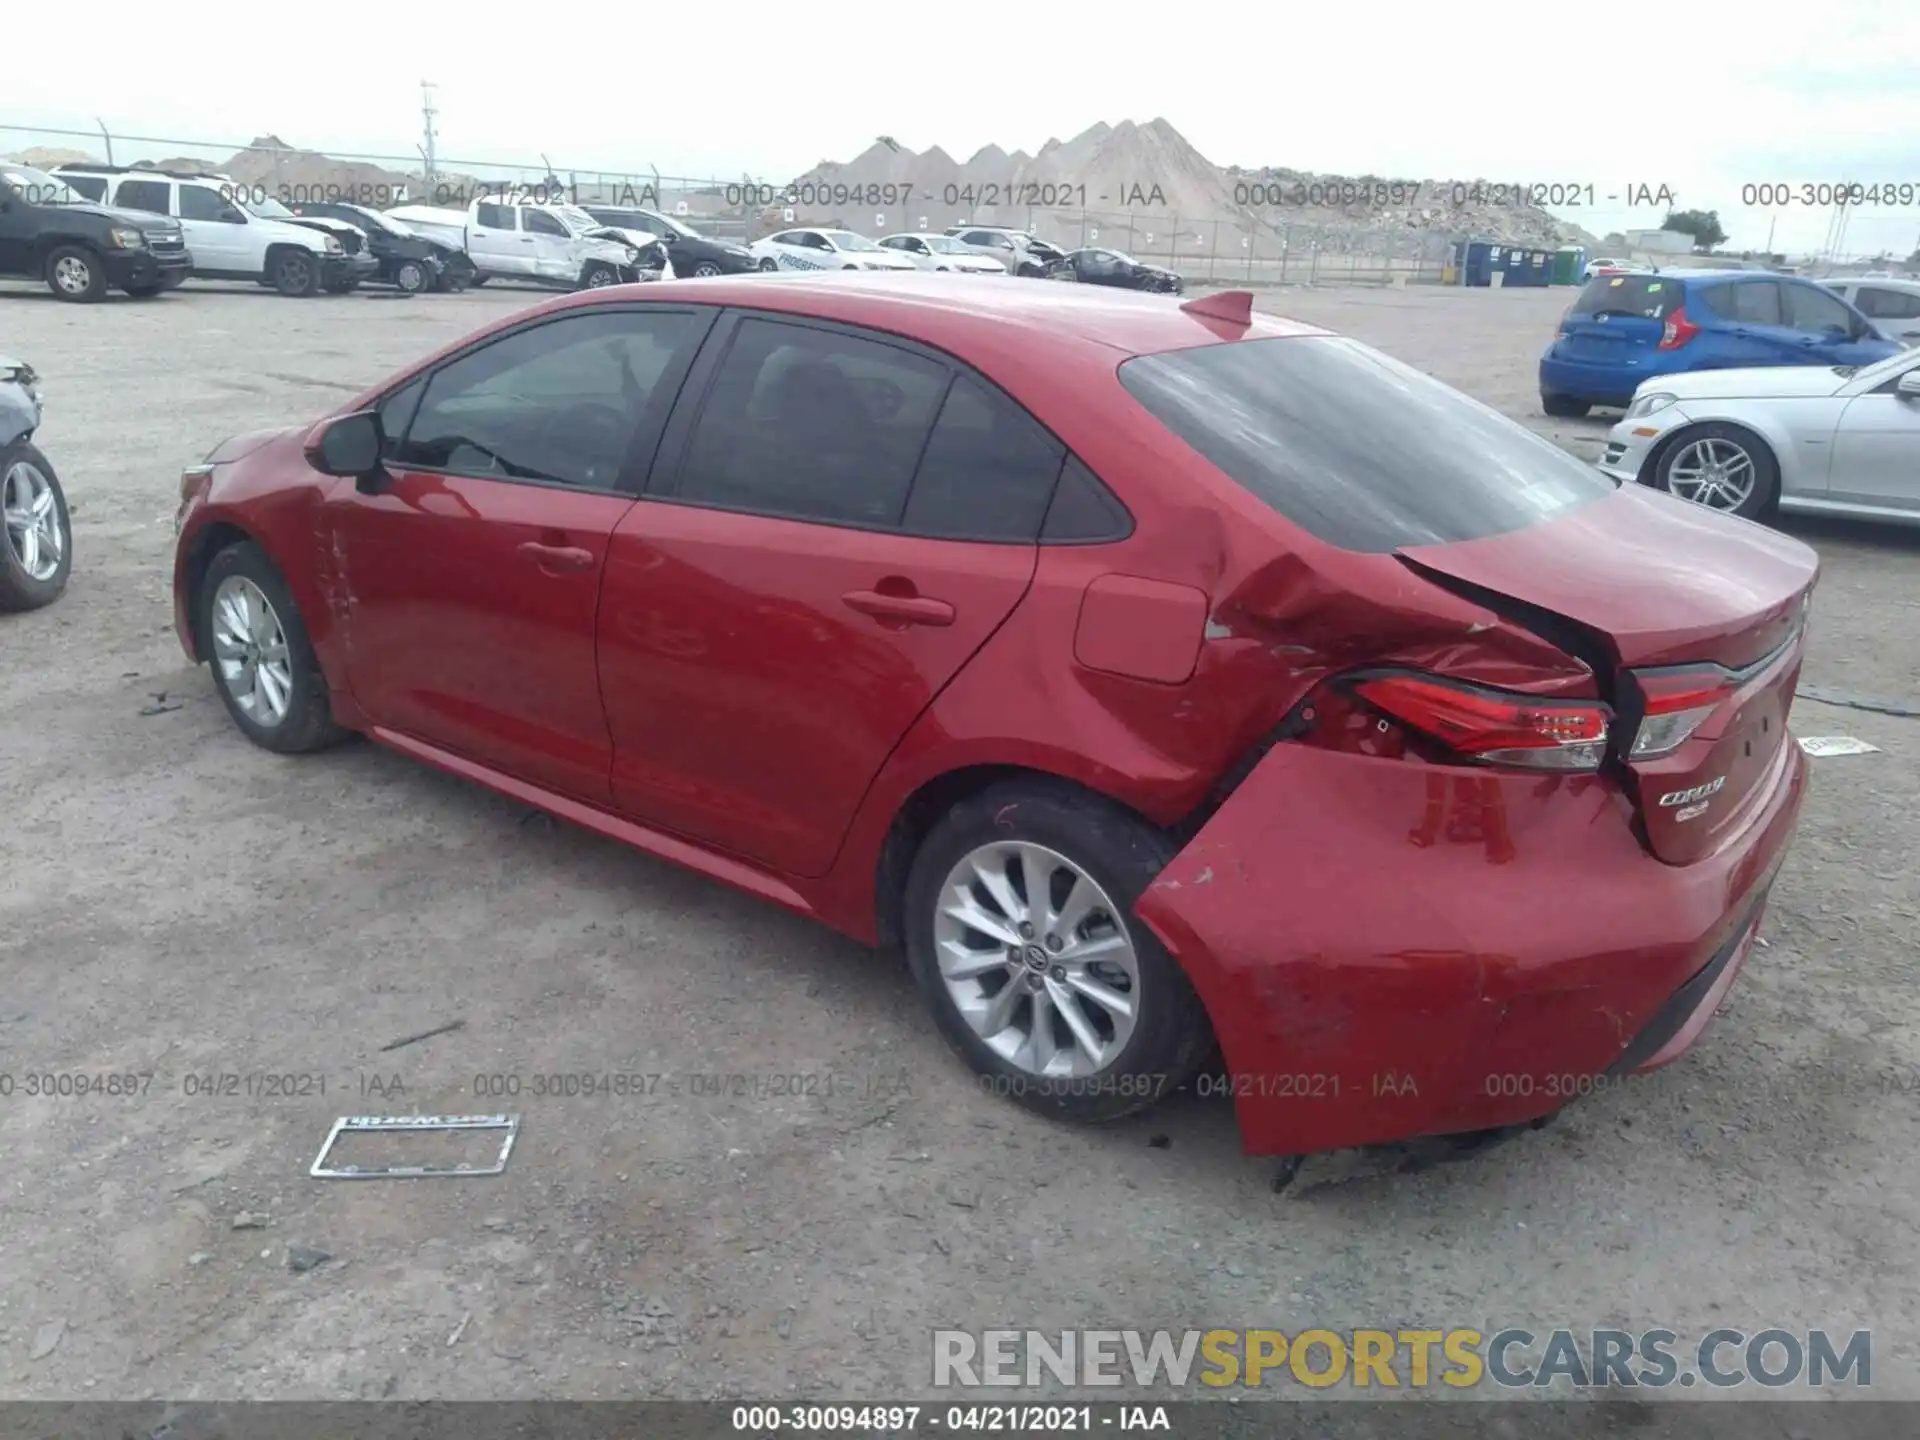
{"x": 1569, "y": 265}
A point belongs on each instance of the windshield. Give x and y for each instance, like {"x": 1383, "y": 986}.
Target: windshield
{"x": 847, "y": 240}
{"x": 1355, "y": 447}
{"x": 266, "y": 207}
{"x": 362, "y": 215}
{"x": 1643, "y": 297}
{"x": 37, "y": 187}
{"x": 575, "y": 219}
{"x": 1881, "y": 371}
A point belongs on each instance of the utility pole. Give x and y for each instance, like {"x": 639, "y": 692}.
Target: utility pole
{"x": 427, "y": 112}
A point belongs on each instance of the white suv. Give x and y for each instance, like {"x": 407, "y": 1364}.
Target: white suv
{"x": 227, "y": 240}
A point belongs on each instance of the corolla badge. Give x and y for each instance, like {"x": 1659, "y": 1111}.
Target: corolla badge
{"x": 1691, "y": 798}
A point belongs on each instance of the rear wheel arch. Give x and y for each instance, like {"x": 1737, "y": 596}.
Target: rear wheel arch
{"x": 931, "y": 801}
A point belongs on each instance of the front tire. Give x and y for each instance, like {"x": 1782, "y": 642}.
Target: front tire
{"x": 252, "y": 636}
{"x": 705, "y": 270}
{"x": 146, "y": 291}
{"x": 598, "y": 277}
{"x": 1565, "y": 407}
{"x": 76, "y": 274}
{"x": 767, "y": 263}
{"x": 293, "y": 273}
{"x": 1722, "y": 467}
{"x": 410, "y": 277}
{"x": 1021, "y": 935}
{"x": 36, "y": 552}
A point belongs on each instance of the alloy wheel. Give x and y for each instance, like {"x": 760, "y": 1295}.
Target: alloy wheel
{"x": 72, "y": 274}
{"x": 250, "y": 651}
{"x": 32, "y": 515}
{"x": 705, "y": 270}
{"x": 601, "y": 278}
{"x": 1037, "y": 959}
{"x": 1715, "y": 472}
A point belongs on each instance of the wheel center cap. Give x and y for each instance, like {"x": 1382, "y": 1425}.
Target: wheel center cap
{"x": 1036, "y": 958}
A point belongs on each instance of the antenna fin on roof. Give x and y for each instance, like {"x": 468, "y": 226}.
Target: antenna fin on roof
{"x": 1233, "y": 306}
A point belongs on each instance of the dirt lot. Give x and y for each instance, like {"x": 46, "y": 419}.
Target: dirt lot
{"x": 177, "y": 902}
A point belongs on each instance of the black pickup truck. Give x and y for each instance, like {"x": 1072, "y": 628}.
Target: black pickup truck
{"x": 51, "y": 232}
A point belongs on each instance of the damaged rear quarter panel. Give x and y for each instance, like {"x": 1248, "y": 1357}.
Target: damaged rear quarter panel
{"x": 1382, "y": 944}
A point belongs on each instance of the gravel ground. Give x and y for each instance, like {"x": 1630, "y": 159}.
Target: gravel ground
{"x": 181, "y": 904}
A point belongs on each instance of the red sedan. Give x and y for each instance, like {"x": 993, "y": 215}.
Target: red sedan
{"x": 1163, "y": 678}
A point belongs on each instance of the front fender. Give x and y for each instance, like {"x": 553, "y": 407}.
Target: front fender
{"x": 19, "y": 416}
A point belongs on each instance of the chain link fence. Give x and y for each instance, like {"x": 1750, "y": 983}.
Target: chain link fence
{"x": 746, "y": 207}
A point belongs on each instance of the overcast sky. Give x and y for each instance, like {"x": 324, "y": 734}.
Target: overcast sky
{"x": 1669, "y": 96}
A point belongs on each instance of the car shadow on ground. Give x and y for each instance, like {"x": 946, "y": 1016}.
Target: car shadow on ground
{"x": 1844, "y": 529}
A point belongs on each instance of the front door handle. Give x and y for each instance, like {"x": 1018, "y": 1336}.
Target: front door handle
{"x": 557, "y": 557}
{"x": 905, "y": 609}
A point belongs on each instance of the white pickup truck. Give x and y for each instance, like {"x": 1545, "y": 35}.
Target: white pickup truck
{"x": 548, "y": 244}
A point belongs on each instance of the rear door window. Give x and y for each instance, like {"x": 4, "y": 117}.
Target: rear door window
{"x": 1356, "y": 448}
{"x": 94, "y": 187}
{"x": 149, "y": 195}
{"x": 1646, "y": 296}
{"x": 812, "y": 424}
{"x": 988, "y": 470}
{"x": 1755, "y": 302}
{"x": 1882, "y": 304}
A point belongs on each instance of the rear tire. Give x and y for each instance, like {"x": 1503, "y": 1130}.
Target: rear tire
{"x": 247, "y": 623}
{"x": 1565, "y": 407}
{"x": 1713, "y": 462}
{"x": 1095, "y": 859}
{"x": 342, "y": 287}
{"x": 74, "y": 273}
{"x": 33, "y": 519}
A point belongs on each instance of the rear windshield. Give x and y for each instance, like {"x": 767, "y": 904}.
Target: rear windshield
{"x": 1645, "y": 295}
{"x": 1356, "y": 448}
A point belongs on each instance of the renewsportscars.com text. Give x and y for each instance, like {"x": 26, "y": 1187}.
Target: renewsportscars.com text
{"x": 1513, "y": 1358}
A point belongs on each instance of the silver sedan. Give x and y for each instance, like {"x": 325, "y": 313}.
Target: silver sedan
{"x": 1837, "y": 440}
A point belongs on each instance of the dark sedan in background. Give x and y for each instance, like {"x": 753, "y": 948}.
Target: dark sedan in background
{"x": 406, "y": 259}
{"x": 690, "y": 252}
{"x": 1095, "y": 266}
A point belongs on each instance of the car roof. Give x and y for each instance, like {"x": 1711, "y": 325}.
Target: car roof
{"x": 1879, "y": 282}
{"x": 1048, "y": 322}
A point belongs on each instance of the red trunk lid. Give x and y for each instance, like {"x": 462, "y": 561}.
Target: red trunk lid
{"x": 1679, "y": 610}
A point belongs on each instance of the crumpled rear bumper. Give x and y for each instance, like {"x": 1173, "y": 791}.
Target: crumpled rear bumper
{"x": 1390, "y": 950}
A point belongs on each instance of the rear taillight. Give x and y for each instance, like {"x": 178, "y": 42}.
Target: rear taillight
{"x": 1494, "y": 727}
{"x": 1678, "y": 702}
{"x": 1678, "y": 330}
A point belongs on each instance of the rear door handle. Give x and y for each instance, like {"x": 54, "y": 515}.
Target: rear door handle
{"x": 556, "y": 557}
{"x": 907, "y": 609}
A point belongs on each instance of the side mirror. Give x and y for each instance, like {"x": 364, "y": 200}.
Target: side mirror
{"x": 350, "y": 445}
{"x": 1909, "y": 386}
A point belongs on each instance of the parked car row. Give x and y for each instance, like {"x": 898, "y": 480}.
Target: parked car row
{"x": 1749, "y": 392}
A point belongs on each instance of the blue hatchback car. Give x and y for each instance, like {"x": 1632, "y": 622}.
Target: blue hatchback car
{"x": 1626, "y": 328}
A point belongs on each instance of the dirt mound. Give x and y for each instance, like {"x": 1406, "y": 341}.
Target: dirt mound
{"x": 1142, "y": 173}
{"x": 45, "y": 157}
